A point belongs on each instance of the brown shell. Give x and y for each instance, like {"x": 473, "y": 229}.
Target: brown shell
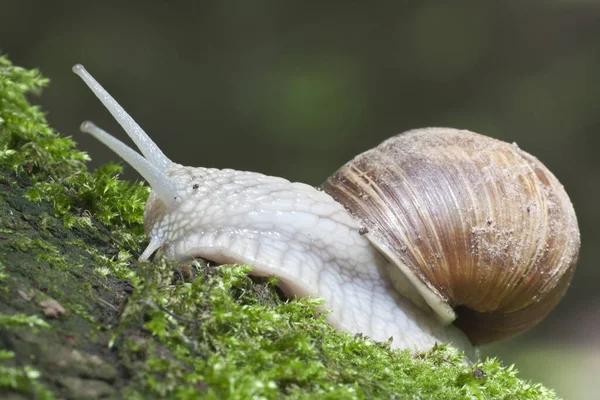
{"x": 478, "y": 222}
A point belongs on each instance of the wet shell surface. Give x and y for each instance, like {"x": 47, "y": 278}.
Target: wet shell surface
{"x": 478, "y": 225}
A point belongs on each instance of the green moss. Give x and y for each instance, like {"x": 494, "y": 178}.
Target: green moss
{"x": 84, "y": 198}
{"x": 162, "y": 329}
{"x": 26, "y": 140}
{"x": 23, "y": 379}
{"x": 217, "y": 335}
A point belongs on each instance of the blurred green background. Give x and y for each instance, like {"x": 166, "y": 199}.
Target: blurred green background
{"x": 292, "y": 89}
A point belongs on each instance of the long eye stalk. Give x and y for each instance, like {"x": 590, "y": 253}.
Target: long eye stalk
{"x": 163, "y": 186}
{"x": 154, "y": 163}
{"x": 148, "y": 148}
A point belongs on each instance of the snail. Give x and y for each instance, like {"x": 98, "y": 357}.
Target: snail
{"x": 437, "y": 235}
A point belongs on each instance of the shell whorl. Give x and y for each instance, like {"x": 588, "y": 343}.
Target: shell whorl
{"x": 476, "y": 223}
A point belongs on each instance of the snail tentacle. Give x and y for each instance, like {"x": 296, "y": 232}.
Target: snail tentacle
{"x": 164, "y": 187}
{"x": 148, "y": 148}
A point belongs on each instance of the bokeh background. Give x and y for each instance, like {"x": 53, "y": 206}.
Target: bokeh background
{"x": 293, "y": 89}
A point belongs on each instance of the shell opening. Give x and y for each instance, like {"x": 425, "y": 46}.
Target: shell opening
{"x": 419, "y": 293}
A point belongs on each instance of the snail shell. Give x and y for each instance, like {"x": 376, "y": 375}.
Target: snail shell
{"x": 484, "y": 230}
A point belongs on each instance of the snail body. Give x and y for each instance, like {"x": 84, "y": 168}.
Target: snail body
{"x": 430, "y": 225}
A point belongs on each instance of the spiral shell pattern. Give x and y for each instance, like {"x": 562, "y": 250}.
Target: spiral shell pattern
{"x": 478, "y": 225}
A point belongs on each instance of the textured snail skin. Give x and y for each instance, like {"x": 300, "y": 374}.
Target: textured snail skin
{"x": 301, "y": 236}
{"x": 292, "y": 231}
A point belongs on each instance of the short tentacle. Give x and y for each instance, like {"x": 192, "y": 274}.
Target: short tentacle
{"x": 148, "y": 148}
{"x": 162, "y": 185}
{"x": 155, "y": 244}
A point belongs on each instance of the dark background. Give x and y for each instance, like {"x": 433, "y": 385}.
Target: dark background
{"x": 290, "y": 89}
